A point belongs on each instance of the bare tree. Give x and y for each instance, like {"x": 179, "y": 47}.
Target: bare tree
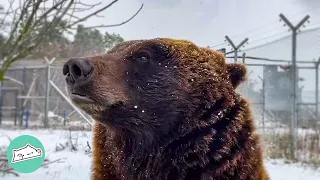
{"x": 32, "y": 22}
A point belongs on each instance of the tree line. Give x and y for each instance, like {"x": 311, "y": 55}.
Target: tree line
{"x": 84, "y": 41}
{"x": 38, "y": 28}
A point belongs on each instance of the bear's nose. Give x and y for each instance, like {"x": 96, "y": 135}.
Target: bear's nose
{"x": 78, "y": 68}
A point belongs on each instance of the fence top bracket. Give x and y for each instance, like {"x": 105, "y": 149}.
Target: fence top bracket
{"x": 49, "y": 62}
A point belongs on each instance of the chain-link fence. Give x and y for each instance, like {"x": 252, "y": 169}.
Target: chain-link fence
{"x": 269, "y": 90}
{"x": 24, "y": 97}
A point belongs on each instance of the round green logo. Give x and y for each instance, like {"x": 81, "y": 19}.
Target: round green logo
{"x": 25, "y": 154}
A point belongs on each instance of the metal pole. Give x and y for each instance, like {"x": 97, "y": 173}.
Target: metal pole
{"x": 69, "y": 101}
{"x": 244, "y": 58}
{"x": 264, "y": 104}
{"x": 295, "y": 80}
{"x": 46, "y": 106}
{"x": 22, "y": 108}
{"x": 16, "y": 114}
{"x": 46, "y": 119}
{"x": 27, "y": 118}
{"x": 317, "y": 91}
{"x": 294, "y": 120}
{"x": 1, "y": 100}
{"x": 64, "y": 117}
{"x": 236, "y": 48}
{"x": 12, "y": 80}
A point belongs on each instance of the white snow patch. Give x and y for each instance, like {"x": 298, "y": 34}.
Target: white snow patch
{"x": 77, "y": 165}
{"x": 279, "y": 170}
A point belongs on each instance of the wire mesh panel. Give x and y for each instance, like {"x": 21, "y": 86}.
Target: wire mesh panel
{"x": 270, "y": 94}
{"x": 24, "y": 93}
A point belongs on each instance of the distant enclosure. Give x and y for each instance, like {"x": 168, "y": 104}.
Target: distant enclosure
{"x": 23, "y": 96}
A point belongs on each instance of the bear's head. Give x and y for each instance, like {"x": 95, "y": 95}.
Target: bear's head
{"x": 154, "y": 87}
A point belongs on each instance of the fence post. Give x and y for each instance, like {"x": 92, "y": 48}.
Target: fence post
{"x": 1, "y": 100}
{"x": 16, "y": 114}
{"x": 64, "y": 117}
{"x": 48, "y": 73}
{"x": 236, "y": 48}
{"x": 294, "y": 120}
{"x": 317, "y": 93}
{"x": 244, "y": 58}
{"x": 264, "y": 103}
{"x": 27, "y": 118}
{"x": 24, "y": 79}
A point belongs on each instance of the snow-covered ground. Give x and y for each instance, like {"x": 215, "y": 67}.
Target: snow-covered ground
{"x": 76, "y": 165}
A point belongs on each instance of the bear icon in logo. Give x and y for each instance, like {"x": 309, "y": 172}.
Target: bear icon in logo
{"x": 25, "y": 153}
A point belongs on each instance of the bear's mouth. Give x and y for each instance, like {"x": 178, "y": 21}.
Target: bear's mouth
{"x": 81, "y": 98}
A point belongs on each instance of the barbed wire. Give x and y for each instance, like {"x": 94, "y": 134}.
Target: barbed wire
{"x": 267, "y": 25}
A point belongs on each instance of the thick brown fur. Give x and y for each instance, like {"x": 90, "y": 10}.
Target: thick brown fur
{"x": 167, "y": 109}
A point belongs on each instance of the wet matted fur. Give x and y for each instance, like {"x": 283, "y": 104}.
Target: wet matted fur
{"x": 167, "y": 109}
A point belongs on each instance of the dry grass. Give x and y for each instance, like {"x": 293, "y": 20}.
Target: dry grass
{"x": 307, "y": 145}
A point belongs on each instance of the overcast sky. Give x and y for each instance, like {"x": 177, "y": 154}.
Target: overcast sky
{"x": 205, "y": 22}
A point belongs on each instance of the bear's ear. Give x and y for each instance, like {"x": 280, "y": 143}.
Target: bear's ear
{"x": 237, "y": 73}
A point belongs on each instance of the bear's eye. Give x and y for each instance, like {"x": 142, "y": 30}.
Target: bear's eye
{"x": 143, "y": 59}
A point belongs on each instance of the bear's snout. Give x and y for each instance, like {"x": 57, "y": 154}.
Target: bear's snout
{"x": 78, "y": 72}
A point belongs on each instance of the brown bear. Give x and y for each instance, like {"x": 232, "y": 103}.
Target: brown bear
{"x": 166, "y": 109}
